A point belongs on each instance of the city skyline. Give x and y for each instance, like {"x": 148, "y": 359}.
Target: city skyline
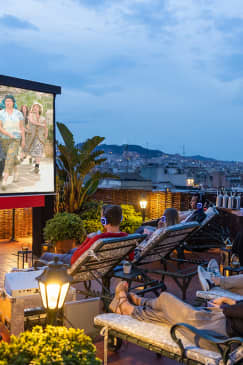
{"x": 157, "y": 73}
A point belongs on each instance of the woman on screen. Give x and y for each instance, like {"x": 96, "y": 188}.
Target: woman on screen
{"x": 25, "y": 111}
{"x": 12, "y": 132}
{"x": 38, "y": 133}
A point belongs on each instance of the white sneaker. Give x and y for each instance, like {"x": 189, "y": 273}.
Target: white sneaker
{"x": 204, "y": 278}
{"x": 213, "y": 268}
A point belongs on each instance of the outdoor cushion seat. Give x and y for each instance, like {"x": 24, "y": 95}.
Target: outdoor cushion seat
{"x": 103, "y": 256}
{"x": 217, "y": 292}
{"x": 159, "y": 247}
{"x": 98, "y": 262}
{"x": 163, "y": 241}
{"x": 158, "y": 336}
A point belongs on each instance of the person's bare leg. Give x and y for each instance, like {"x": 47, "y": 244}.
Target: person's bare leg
{"x": 5, "y": 178}
{"x": 15, "y": 174}
{"x": 120, "y": 303}
{"x": 125, "y": 307}
{"x": 136, "y": 300}
{"x": 232, "y": 283}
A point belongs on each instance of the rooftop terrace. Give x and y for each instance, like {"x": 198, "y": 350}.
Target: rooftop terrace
{"x": 129, "y": 354}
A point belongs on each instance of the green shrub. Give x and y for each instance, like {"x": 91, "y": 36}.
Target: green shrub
{"x": 52, "y": 345}
{"x": 91, "y": 216}
{"x": 91, "y": 210}
{"x": 131, "y": 219}
{"x": 64, "y": 226}
{"x": 92, "y": 225}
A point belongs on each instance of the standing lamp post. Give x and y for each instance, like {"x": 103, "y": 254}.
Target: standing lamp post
{"x": 12, "y": 239}
{"x": 54, "y": 283}
{"x": 143, "y": 204}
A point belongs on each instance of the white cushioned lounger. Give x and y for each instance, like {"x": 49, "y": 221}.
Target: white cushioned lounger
{"x": 216, "y": 293}
{"x": 156, "y": 337}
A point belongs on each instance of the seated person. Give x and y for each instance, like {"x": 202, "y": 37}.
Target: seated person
{"x": 169, "y": 309}
{"x": 212, "y": 277}
{"x": 237, "y": 246}
{"x": 196, "y": 214}
{"x": 169, "y": 218}
{"x": 111, "y": 216}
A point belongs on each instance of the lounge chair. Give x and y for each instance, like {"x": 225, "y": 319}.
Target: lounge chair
{"x": 98, "y": 262}
{"x": 168, "y": 341}
{"x": 159, "y": 248}
{"x": 210, "y": 234}
{"x": 217, "y": 292}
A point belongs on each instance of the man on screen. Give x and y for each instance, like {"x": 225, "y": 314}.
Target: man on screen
{"x": 12, "y": 132}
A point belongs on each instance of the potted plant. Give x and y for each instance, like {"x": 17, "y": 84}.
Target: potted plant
{"x": 52, "y": 345}
{"x": 64, "y": 231}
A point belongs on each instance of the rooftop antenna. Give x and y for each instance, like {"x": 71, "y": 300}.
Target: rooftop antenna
{"x": 126, "y": 156}
{"x": 183, "y": 151}
{"x": 147, "y": 153}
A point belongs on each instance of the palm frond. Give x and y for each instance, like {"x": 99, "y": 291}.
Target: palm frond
{"x": 74, "y": 164}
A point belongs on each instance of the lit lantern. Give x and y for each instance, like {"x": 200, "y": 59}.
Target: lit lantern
{"x": 24, "y": 258}
{"x": 143, "y": 204}
{"x": 54, "y": 283}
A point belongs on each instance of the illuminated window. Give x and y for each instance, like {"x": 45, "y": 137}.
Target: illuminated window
{"x": 190, "y": 182}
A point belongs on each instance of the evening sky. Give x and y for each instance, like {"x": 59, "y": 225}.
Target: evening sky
{"x": 158, "y": 73}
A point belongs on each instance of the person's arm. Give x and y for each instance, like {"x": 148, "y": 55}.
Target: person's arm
{"x": 3, "y": 131}
{"x": 234, "y": 311}
{"x": 222, "y": 300}
{"x": 46, "y": 129}
{"x": 161, "y": 224}
{"x": 82, "y": 248}
{"x": 21, "y": 127}
{"x": 31, "y": 119}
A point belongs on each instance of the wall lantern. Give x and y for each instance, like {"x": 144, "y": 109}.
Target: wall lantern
{"x": 54, "y": 283}
{"x": 143, "y": 204}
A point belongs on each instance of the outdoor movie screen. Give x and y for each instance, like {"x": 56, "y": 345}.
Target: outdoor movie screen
{"x": 26, "y": 141}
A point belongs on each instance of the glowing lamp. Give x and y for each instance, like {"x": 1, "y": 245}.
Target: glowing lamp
{"x": 54, "y": 283}
{"x": 143, "y": 204}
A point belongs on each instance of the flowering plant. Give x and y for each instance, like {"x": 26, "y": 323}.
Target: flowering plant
{"x": 52, "y": 345}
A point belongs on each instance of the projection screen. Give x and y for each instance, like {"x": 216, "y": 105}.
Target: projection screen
{"x": 27, "y": 147}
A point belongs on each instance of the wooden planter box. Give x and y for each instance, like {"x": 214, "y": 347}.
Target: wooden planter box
{"x": 64, "y": 246}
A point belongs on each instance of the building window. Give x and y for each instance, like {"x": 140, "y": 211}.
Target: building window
{"x": 190, "y": 182}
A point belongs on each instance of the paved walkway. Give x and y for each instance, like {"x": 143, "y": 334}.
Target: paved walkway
{"x": 8, "y": 254}
{"x": 29, "y": 181}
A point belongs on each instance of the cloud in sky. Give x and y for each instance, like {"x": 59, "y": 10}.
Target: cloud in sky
{"x": 14, "y": 22}
{"x": 151, "y": 72}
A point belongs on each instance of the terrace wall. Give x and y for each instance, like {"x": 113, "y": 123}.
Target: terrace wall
{"x": 157, "y": 201}
{"x": 23, "y": 222}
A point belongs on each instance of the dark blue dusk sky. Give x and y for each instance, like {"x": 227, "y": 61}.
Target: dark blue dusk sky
{"x": 159, "y": 73}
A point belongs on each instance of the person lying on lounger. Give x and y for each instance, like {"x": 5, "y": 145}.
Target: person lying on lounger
{"x": 211, "y": 277}
{"x": 225, "y": 316}
{"x": 197, "y": 213}
{"x": 169, "y": 218}
{"x": 111, "y": 216}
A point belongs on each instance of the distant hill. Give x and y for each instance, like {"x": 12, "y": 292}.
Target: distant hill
{"x": 143, "y": 152}
{"x": 201, "y": 158}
